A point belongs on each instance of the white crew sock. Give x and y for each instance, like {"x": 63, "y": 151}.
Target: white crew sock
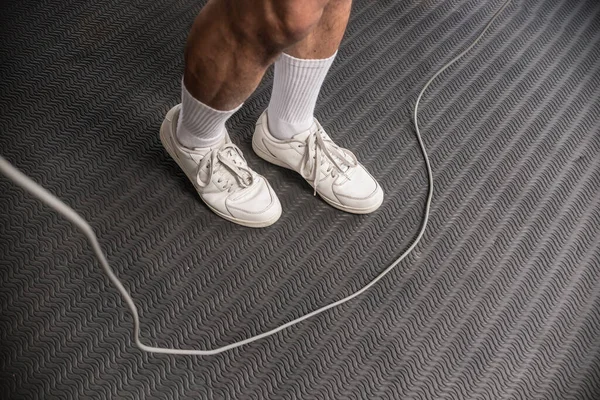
{"x": 200, "y": 125}
{"x": 296, "y": 86}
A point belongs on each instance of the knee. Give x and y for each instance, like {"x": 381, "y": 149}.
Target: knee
{"x": 292, "y": 20}
{"x": 275, "y": 24}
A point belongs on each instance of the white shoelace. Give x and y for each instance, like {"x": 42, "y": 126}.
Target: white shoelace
{"x": 228, "y": 164}
{"x": 318, "y": 146}
{"x": 38, "y": 191}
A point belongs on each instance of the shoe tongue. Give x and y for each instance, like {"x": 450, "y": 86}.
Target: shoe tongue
{"x": 198, "y": 153}
{"x": 221, "y": 143}
{"x": 303, "y": 135}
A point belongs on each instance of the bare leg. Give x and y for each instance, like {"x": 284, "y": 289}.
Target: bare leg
{"x": 233, "y": 42}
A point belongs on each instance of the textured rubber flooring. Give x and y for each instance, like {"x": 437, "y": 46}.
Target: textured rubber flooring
{"x": 501, "y": 300}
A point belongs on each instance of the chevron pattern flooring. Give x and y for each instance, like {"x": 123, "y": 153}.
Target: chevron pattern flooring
{"x": 501, "y": 299}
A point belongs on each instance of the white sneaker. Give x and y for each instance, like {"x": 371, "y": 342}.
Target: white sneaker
{"x": 223, "y": 179}
{"x": 332, "y": 171}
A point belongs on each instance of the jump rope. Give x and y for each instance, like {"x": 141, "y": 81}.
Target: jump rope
{"x": 42, "y": 194}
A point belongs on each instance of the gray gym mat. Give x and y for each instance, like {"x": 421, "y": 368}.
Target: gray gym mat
{"x": 501, "y": 300}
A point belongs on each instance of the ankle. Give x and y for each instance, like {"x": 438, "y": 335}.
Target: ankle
{"x": 200, "y": 126}
{"x": 282, "y": 129}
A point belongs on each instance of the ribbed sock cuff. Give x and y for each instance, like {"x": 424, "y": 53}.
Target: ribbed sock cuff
{"x": 200, "y": 125}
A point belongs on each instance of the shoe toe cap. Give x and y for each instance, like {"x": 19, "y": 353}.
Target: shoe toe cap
{"x": 256, "y": 204}
{"x": 361, "y": 192}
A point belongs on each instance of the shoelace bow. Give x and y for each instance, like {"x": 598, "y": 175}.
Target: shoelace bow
{"x": 225, "y": 157}
{"x": 317, "y": 147}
